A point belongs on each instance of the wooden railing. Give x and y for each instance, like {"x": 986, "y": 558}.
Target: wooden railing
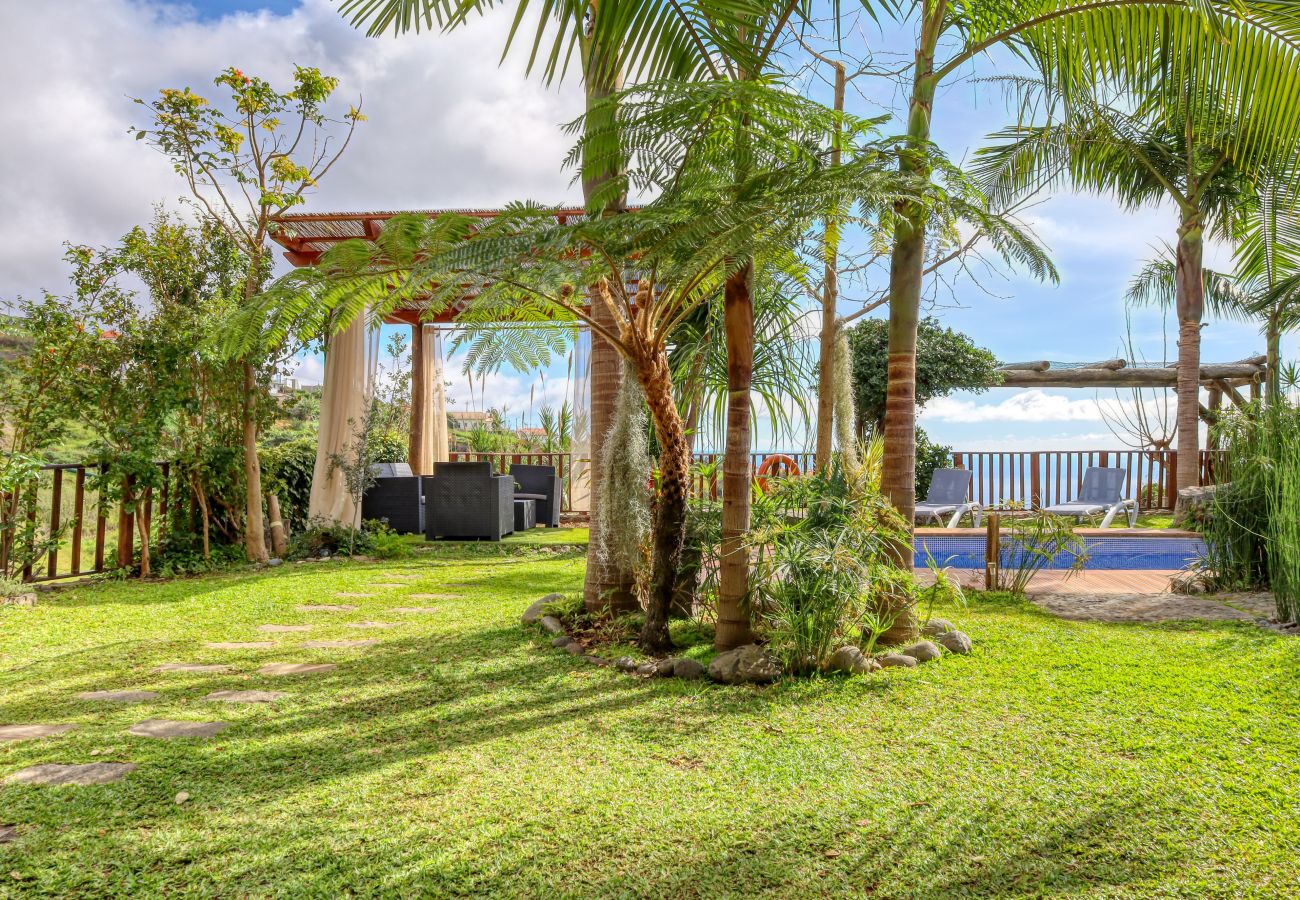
{"x": 501, "y": 463}
{"x": 64, "y": 499}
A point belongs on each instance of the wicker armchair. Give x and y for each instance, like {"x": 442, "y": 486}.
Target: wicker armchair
{"x": 396, "y": 497}
{"x": 465, "y": 500}
{"x": 540, "y": 483}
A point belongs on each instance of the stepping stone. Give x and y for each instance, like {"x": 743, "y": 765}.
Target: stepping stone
{"x": 296, "y": 668}
{"x": 59, "y": 773}
{"x": 415, "y": 609}
{"x": 119, "y": 696}
{"x": 276, "y": 629}
{"x": 239, "y": 645}
{"x": 193, "y": 667}
{"x": 434, "y": 596}
{"x": 347, "y": 594}
{"x": 327, "y": 607}
{"x": 30, "y": 732}
{"x": 382, "y": 584}
{"x": 327, "y": 645}
{"x": 369, "y": 625}
{"x": 170, "y": 728}
{"x": 8, "y": 834}
{"x": 246, "y": 696}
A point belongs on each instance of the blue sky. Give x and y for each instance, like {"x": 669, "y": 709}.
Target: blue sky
{"x": 449, "y": 127}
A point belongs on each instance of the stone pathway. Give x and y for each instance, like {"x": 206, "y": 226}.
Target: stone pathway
{"x": 59, "y": 773}
{"x": 276, "y": 629}
{"x": 296, "y": 668}
{"x": 327, "y": 607}
{"x": 333, "y": 645}
{"x": 32, "y": 732}
{"x": 171, "y": 728}
{"x": 387, "y": 585}
{"x": 194, "y": 667}
{"x": 414, "y": 609}
{"x": 119, "y": 696}
{"x": 345, "y": 594}
{"x": 8, "y": 834}
{"x": 369, "y": 625}
{"x": 246, "y": 696}
{"x": 239, "y": 645}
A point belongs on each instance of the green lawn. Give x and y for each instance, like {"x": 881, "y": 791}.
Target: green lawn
{"x": 463, "y": 755}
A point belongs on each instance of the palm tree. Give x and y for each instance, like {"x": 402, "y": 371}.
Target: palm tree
{"x": 1242, "y": 50}
{"x": 1164, "y": 149}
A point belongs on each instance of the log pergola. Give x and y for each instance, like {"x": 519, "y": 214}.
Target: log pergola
{"x": 304, "y": 237}
{"x": 1219, "y": 379}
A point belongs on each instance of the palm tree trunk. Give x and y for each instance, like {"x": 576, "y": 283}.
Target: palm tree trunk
{"x": 1273, "y": 336}
{"x": 1190, "y": 306}
{"x": 606, "y": 588}
{"x": 830, "y": 301}
{"x": 670, "y": 507}
{"x": 733, "y": 627}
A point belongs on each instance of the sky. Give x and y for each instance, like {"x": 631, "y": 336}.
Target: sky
{"x": 450, "y": 126}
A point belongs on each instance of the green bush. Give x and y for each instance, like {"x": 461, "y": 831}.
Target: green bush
{"x": 287, "y": 472}
{"x": 322, "y": 538}
{"x": 929, "y": 456}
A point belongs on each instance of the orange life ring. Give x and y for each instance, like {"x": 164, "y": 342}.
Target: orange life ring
{"x": 769, "y": 466}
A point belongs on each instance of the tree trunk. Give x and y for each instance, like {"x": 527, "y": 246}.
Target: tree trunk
{"x": 670, "y": 506}
{"x": 898, "y": 470}
{"x": 1190, "y": 305}
{"x": 830, "y": 302}
{"x": 733, "y": 587}
{"x": 254, "y": 534}
{"x": 1273, "y": 387}
{"x": 605, "y": 588}
{"x": 142, "y": 526}
{"x": 279, "y": 535}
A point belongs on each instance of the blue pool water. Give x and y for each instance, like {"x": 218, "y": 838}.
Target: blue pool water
{"x": 967, "y": 552}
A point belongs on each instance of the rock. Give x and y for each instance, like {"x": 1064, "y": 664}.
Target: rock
{"x": 58, "y": 773}
{"x": 560, "y": 641}
{"x": 246, "y": 696}
{"x": 1195, "y": 504}
{"x": 182, "y": 797}
{"x": 8, "y": 834}
{"x": 551, "y": 624}
{"x": 899, "y": 660}
{"x": 664, "y": 667}
{"x": 625, "y": 664}
{"x": 598, "y": 661}
{"x": 537, "y": 610}
{"x": 171, "y": 728}
{"x": 936, "y": 627}
{"x": 29, "y": 732}
{"x": 924, "y": 651}
{"x": 339, "y": 645}
{"x": 687, "y": 668}
{"x": 750, "y": 664}
{"x": 27, "y": 600}
{"x": 118, "y": 696}
{"x": 296, "y": 668}
{"x": 955, "y": 642}
{"x": 850, "y": 660}
{"x": 648, "y": 669}
{"x": 574, "y": 648}
{"x": 274, "y": 561}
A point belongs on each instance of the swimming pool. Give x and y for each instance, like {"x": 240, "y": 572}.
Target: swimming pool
{"x": 1128, "y": 552}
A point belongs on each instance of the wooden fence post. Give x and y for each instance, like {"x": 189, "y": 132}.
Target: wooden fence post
{"x": 992, "y": 550}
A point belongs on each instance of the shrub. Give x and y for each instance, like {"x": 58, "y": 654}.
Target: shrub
{"x": 321, "y": 538}
{"x": 1030, "y": 544}
{"x": 287, "y": 472}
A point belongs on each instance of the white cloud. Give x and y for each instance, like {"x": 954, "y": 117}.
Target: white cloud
{"x": 311, "y": 370}
{"x": 447, "y": 126}
{"x": 1024, "y": 406}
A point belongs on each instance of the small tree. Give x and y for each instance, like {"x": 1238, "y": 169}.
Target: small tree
{"x": 244, "y": 166}
{"x": 356, "y": 462}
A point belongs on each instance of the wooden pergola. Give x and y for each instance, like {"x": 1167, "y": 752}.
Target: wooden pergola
{"x": 305, "y": 237}
{"x": 1221, "y": 380}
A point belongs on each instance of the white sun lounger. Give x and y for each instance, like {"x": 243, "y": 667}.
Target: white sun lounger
{"x": 1100, "y": 494}
{"x": 949, "y": 490}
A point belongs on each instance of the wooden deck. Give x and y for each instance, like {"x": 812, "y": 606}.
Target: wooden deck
{"x": 1089, "y": 581}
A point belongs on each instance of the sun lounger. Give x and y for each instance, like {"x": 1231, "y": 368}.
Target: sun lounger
{"x": 1100, "y": 494}
{"x": 949, "y": 490}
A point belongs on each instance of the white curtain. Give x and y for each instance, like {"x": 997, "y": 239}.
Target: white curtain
{"x": 435, "y": 417}
{"x": 580, "y": 443}
{"x": 343, "y": 399}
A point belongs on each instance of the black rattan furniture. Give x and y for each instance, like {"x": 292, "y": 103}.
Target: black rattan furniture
{"x": 465, "y": 500}
{"x": 525, "y": 513}
{"x": 542, "y": 484}
{"x": 396, "y": 497}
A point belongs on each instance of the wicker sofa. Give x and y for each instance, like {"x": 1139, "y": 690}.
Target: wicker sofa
{"x": 396, "y": 497}
{"x": 542, "y": 485}
{"x": 465, "y": 500}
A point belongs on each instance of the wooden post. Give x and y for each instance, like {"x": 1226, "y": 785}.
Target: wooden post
{"x": 992, "y": 551}
{"x": 125, "y": 527}
{"x": 279, "y": 535}
{"x": 1035, "y": 479}
{"x": 78, "y": 510}
{"x": 56, "y": 509}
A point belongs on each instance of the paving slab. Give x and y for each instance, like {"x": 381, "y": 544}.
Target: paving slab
{"x": 326, "y": 607}
{"x": 171, "y": 728}
{"x": 369, "y": 625}
{"x": 345, "y": 594}
{"x": 32, "y": 732}
{"x": 1142, "y": 608}
{"x": 337, "y": 645}
{"x": 119, "y": 696}
{"x": 434, "y": 596}
{"x": 246, "y": 696}
{"x": 277, "y": 629}
{"x": 194, "y": 667}
{"x": 61, "y": 773}
{"x": 8, "y": 834}
{"x": 387, "y": 585}
{"x": 414, "y": 609}
{"x": 239, "y": 645}
{"x": 296, "y": 668}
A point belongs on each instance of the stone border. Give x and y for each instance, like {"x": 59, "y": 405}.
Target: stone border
{"x": 751, "y": 664}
